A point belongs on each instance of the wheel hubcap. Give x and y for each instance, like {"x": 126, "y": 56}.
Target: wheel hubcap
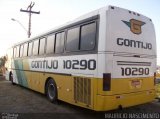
{"x": 51, "y": 90}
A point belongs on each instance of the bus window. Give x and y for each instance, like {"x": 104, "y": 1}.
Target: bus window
{"x": 25, "y": 49}
{"x": 14, "y": 52}
{"x": 88, "y": 36}
{"x": 21, "y": 51}
{"x": 35, "y": 47}
{"x": 59, "y": 42}
{"x": 73, "y": 39}
{"x": 17, "y": 51}
{"x": 42, "y": 46}
{"x": 30, "y": 48}
{"x": 50, "y": 44}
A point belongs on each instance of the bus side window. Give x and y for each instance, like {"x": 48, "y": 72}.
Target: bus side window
{"x": 35, "y": 47}
{"x": 14, "y": 54}
{"x": 30, "y": 45}
{"x": 59, "y": 42}
{"x": 17, "y": 51}
{"x": 21, "y": 50}
{"x": 50, "y": 44}
{"x": 42, "y": 46}
{"x": 25, "y": 49}
{"x": 73, "y": 39}
{"x": 88, "y": 36}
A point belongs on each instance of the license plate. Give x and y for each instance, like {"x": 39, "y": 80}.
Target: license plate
{"x": 135, "y": 83}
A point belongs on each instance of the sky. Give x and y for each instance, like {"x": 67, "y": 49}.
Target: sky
{"x": 57, "y": 12}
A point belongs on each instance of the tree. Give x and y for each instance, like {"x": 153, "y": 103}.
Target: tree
{"x": 3, "y": 60}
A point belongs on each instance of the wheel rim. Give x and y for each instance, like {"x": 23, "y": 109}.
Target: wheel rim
{"x": 51, "y": 90}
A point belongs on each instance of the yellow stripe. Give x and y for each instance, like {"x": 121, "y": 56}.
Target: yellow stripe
{"x": 99, "y": 99}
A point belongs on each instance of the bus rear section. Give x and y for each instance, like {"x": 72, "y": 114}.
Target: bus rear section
{"x": 130, "y": 60}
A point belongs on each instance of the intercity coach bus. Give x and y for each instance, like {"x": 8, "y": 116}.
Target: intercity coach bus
{"x": 103, "y": 60}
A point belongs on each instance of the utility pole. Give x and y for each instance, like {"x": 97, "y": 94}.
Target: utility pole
{"x": 30, "y": 12}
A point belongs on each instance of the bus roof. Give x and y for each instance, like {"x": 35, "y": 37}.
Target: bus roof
{"x": 91, "y": 15}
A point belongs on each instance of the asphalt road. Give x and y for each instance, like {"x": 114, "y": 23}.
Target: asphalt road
{"x": 17, "y": 102}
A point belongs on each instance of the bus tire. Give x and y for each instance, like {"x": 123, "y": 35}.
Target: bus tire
{"x": 11, "y": 78}
{"x": 51, "y": 91}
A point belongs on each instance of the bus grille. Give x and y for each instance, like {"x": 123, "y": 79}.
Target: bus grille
{"x": 82, "y": 90}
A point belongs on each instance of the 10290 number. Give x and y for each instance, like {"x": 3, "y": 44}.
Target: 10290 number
{"x": 134, "y": 71}
{"x": 82, "y": 64}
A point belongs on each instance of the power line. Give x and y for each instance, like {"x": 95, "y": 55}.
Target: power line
{"x": 30, "y": 12}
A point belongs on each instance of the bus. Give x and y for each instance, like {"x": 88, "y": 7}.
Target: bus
{"x": 103, "y": 60}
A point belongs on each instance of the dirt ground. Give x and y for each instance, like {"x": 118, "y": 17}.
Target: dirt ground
{"x": 17, "y": 102}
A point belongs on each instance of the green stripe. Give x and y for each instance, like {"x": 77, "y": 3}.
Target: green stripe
{"x": 22, "y": 80}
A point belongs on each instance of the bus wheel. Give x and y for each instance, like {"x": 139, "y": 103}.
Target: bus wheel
{"x": 51, "y": 91}
{"x": 11, "y": 78}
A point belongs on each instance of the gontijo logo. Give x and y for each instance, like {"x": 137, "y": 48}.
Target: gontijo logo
{"x": 134, "y": 25}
